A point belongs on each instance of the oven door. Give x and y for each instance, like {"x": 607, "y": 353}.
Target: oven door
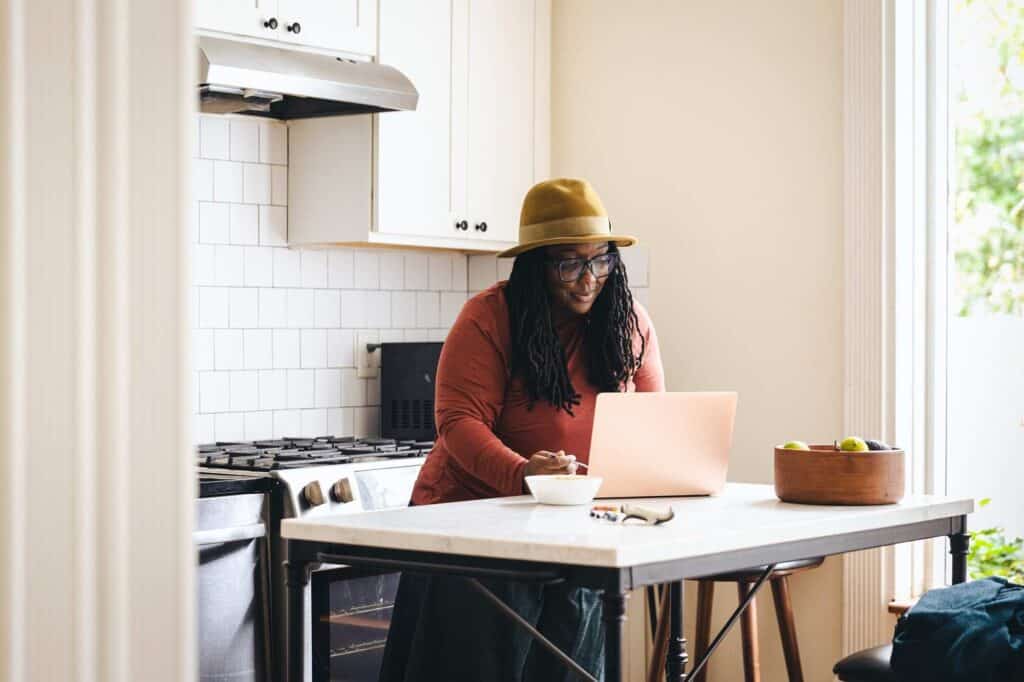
{"x": 350, "y": 606}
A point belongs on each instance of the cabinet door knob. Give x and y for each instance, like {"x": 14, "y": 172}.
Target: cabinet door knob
{"x": 270, "y": 23}
{"x": 294, "y": 28}
{"x": 482, "y": 227}
{"x": 462, "y": 225}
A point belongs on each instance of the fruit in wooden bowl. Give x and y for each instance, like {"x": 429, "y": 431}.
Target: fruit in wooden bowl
{"x": 825, "y": 474}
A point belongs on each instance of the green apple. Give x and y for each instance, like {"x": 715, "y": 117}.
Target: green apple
{"x": 795, "y": 445}
{"x": 853, "y": 444}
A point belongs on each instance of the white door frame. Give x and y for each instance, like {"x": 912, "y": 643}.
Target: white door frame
{"x": 96, "y": 130}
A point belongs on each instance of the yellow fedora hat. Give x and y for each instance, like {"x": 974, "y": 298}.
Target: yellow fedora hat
{"x": 563, "y": 211}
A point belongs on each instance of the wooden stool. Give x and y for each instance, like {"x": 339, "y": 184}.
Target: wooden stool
{"x": 744, "y": 580}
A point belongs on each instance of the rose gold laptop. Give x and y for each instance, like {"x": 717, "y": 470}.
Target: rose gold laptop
{"x": 661, "y": 444}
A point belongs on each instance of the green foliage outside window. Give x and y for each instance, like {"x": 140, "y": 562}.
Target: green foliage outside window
{"x": 993, "y": 554}
{"x": 988, "y": 240}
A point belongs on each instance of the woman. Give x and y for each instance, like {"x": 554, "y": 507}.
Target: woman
{"x": 517, "y": 382}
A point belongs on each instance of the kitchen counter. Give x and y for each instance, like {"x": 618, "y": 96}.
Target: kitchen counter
{"x": 745, "y": 516}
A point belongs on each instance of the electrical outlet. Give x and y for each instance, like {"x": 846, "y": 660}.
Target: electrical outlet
{"x": 367, "y": 364}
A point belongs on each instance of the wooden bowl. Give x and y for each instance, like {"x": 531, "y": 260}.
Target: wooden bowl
{"x": 824, "y": 475}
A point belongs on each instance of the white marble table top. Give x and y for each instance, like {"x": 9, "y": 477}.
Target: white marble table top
{"x": 745, "y": 516}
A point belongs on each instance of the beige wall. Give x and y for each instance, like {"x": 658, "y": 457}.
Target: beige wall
{"x": 713, "y": 131}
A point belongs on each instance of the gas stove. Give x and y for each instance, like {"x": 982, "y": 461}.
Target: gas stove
{"x": 264, "y": 456}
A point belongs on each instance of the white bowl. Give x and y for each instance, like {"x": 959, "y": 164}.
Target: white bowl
{"x": 563, "y": 489}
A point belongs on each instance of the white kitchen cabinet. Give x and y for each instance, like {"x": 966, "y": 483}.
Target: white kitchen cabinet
{"x": 239, "y": 17}
{"x": 346, "y": 25}
{"x": 453, "y": 173}
{"x": 338, "y": 25}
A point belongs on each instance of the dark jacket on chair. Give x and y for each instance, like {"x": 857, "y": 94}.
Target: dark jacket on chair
{"x": 973, "y": 632}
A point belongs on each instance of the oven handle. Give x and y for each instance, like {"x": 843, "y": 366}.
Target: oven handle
{"x": 218, "y": 536}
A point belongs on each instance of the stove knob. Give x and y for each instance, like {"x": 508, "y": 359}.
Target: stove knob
{"x": 313, "y": 494}
{"x": 341, "y": 491}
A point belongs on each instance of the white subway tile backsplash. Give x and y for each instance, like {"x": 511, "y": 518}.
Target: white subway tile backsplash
{"x": 229, "y": 264}
{"x": 437, "y": 335}
{"x": 403, "y": 309}
{"x": 259, "y": 266}
{"x": 286, "y": 348}
{"x": 428, "y": 309}
{"x": 273, "y": 142}
{"x": 245, "y": 141}
{"x": 228, "y": 349}
{"x": 273, "y": 385}
{"x": 353, "y": 309}
{"x": 504, "y": 268}
{"x": 416, "y": 271}
{"x": 273, "y": 226}
{"x": 301, "y": 311}
{"x": 373, "y": 391}
{"x": 279, "y": 185}
{"x": 202, "y": 180}
{"x": 287, "y": 268}
{"x": 367, "y": 421}
{"x": 203, "y": 428}
{"x": 313, "y": 348}
{"x": 340, "y": 269}
{"x": 258, "y": 348}
{"x": 378, "y": 309}
{"x": 256, "y": 183}
{"x": 277, "y": 333}
{"x": 483, "y": 272}
{"x": 229, "y": 427}
{"x": 367, "y": 270}
{"x": 451, "y": 305}
{"x": 301, "y": 388}
{"x": 244, "y": 313}
{"x": 244, "y": 224}
{"x": 314, "y": 422}
{"x": 227, "y": 181}
{"x": 392, "y": 270}
{"x": 328, "y": 388}
{"x": 440, "y": 272}
{"x": 273, "y": 307}
{"x": 213, "y": 307}
{"x": 460, "y": 276}
{"x": 340, "y": 348}
{"x": 339, "y": 421}
{"x": 214, "y": 223}
{"x": 259, "y": 425}
{"x": 214, "y": 392}
{"x": 213, "y": 137}
{"x": 202, "y": 349}
{"x": 204, "y": 269}
{"x": 244, "y": 391}
{"x": 287, "y": 423}
{"x": 314, "y": 269}
{"x": 327, "y": 308}
{"x": 353, "y": 389}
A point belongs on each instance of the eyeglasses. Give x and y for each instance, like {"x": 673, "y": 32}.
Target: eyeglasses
{"x": 571, "y": 269}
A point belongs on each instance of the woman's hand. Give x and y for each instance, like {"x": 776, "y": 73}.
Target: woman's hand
{"x": 544, "y": 462}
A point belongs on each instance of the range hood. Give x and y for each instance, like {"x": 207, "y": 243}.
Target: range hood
{"x": 245, "y": 78}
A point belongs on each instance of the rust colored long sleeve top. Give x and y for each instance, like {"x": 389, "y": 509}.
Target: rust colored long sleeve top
{"x": 485, "y": 427}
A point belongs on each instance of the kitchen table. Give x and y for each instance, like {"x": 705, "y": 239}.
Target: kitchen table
{"x": 517, "y": 539}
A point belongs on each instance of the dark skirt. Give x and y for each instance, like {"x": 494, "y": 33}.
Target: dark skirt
{"x": 443, "y": 629}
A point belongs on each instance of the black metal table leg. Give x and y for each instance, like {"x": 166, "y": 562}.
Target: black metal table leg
{"x": 297, "y": 577}
{"x": 675, "y": 664}
{"x": 614, "y": 621}
{"x": 959, "y": 543}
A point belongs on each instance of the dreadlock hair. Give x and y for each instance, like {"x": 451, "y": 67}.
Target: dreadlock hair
{"x": 537, "y": 353}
